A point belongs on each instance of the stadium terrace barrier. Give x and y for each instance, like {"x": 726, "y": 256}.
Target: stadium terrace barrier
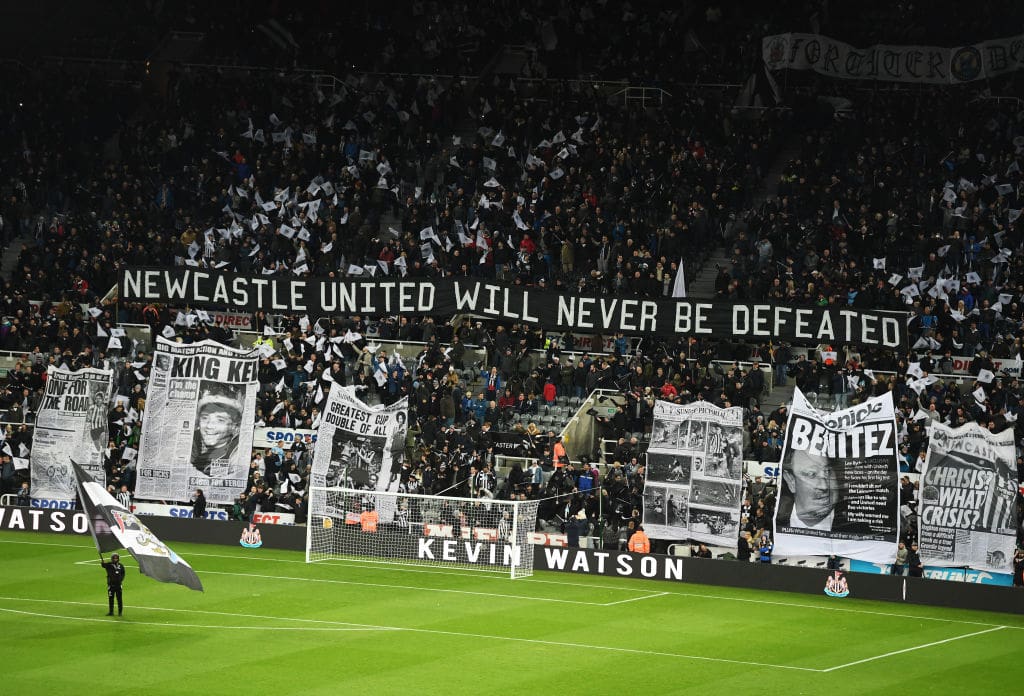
{"x": 761, "y": 576}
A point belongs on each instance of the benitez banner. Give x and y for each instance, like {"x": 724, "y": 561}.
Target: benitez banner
{"x": 968, "y": 491}
{"x": 839, "y": 482}
{"x": 922, "y": 64}
{"x": 567, "y": 311}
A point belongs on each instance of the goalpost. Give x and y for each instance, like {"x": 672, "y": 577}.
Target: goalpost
{"x": 479, "y": 534}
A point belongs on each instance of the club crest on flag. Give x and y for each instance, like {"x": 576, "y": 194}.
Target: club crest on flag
{"x": 836, "y": 585}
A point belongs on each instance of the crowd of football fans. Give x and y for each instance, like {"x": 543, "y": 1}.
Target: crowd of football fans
{"x": 902, "y": 201}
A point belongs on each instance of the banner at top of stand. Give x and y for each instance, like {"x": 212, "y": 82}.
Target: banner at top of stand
{"x": 548, "y": 309}
{"x": 921, "y": 64}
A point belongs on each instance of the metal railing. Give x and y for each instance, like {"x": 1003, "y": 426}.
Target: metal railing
{"x": 643, "y": 96}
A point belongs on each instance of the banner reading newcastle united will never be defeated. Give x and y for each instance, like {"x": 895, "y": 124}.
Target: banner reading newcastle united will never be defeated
{"x": 551, "y": 310}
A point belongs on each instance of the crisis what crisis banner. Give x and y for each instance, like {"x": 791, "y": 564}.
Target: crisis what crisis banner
{"x": 968, "y": 492}
{"x": 71, "y": 423}
{"x": 357, "y": 445}
{"x": 694, "y": 473}
{"x": 839, "y": 482}
{"x": 567, "y": 311}
{"x": 198, "y": 430}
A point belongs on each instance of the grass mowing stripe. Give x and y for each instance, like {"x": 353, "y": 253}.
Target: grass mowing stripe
{"x": 167, "y": 624}
{"x": 430, "y": 631}
{"x": 233, "y": 614}
{"x": 535, "y": 579}
{"x": 916, "y": 647}
{"x": 489, "y": 595}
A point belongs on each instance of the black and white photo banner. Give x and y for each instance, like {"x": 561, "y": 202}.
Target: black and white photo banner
{"x": 200, "y": 415}
{"x": 694, "y": 473}
{"x": 967, "y": 510}
{"x": 922, "y": 64}
{"x": 358, "y": 445}
{"x": 71, "y": 423}
{"x": 551, "y": 310}
{"x": 839, "y": 482}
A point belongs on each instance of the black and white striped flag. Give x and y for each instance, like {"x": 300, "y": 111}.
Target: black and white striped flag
{"x": 113, "y": 526}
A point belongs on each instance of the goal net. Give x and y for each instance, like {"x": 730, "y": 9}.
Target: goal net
{"x": 423, "y": 530}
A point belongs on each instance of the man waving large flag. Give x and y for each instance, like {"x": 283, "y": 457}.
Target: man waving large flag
{"x": 113, "y": 527}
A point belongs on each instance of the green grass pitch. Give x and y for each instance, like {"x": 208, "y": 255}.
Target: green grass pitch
{"x": 269, "y": 623}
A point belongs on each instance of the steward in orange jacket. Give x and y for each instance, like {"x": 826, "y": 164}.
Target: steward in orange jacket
{"x": 639, "y": 542}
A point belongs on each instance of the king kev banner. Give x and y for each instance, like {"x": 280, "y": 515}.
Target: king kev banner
{"x": 551, "y": 310}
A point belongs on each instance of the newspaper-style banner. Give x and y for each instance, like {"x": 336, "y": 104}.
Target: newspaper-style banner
{"x": 921, "y": 64}
{"x": 568, "y": 311}
{"x": 198, "y": 429}
{"x": 839, "y": 492}
{"x": 71, "y": 423}
{"x": 357, "y": 445}
{"x": 694, "y": 473}
{"x": 967, "y": 514}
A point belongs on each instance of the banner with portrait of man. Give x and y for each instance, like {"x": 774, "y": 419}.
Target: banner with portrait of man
{"x": 71, "y": 423}
{"x": 198, "y": 429}
{"x": 967, "y": 515}
{"x": 838, "y": 491}
{"x": 694, "y": 473}
{"x": 358, "y": 445}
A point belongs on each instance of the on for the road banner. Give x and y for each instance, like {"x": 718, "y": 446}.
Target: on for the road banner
{"x": 967, "y": 510}
{"x": 71, "y": 423}
{"x": 839, "y": 482}
{"x": 552, "y": 310}
{"x": 198, "y": 430}
{"x": 357, "y": 445}
{"x": 694, "y": 472}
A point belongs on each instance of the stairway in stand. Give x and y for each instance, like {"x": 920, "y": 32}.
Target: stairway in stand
{"x": 702, "y": 287}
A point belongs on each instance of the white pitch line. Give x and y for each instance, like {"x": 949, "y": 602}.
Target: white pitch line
{"x": 430, "y": 631}
{"x": 232, "y": 614}
{"x": 916, "y": 647}
{"x": 634, "y": 599}
{"x": 163, "y": 624}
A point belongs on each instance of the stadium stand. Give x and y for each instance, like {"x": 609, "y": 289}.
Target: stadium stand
{"x": 556, "y": 173}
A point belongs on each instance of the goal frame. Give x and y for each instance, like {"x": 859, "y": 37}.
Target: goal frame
{"x": 521, "y": 564}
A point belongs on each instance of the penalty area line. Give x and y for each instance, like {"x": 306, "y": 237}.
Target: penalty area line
{"x": 168, "y": 624}
{"x": 634, "y": 599}
{"x": 911, "y": 649}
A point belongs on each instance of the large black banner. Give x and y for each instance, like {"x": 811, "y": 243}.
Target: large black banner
{"x": 551, "y": 310}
